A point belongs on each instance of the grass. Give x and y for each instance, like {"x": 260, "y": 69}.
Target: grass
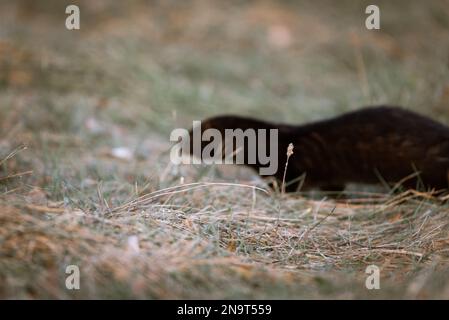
{"x": 140, "y": 227}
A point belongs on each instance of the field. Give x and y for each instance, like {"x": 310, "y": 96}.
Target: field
{"x": 85, "y": 172}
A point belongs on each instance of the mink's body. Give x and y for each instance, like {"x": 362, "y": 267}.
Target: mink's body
{"x": 364, "y": 146}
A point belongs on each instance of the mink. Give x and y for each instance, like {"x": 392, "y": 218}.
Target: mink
{"x": 373, "y": 145}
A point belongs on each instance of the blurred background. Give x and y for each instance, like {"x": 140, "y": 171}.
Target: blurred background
{"x": 138, "y": 69}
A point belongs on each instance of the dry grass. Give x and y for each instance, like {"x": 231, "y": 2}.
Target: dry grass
{"x": 135, "y": 72}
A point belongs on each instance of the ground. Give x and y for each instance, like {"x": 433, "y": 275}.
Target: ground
{"x": 85, "y": 173}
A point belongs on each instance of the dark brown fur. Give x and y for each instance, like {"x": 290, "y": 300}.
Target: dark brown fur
{"x": 364, "y": 146}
